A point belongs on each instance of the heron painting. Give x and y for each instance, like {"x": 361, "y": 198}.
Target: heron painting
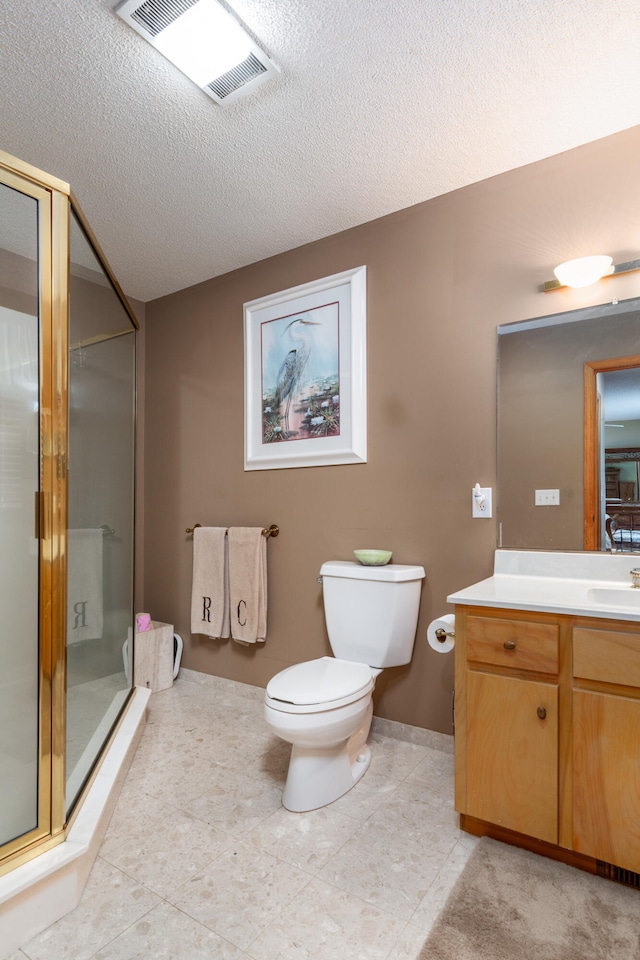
{"x": 305, "y": 374}
{"x": 301, "y": 376}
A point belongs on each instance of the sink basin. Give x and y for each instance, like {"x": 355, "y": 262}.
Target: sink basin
{"x": 615, "y": 596}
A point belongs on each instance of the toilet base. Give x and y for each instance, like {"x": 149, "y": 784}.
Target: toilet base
{"x": 319, "y": 775}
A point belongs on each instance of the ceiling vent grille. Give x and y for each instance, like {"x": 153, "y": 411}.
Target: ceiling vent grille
{"x": 150, "y": 18}
{"x": 157, "y": 15}
{"x": 231, "y": 81}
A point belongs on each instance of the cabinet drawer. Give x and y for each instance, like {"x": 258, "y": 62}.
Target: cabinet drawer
{"x": 521, "y": 644}
{"x": 607, "y": 655}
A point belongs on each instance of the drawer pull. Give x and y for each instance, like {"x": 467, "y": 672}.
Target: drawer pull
{"x": 542, "y": 713}
{"x": 509, "y": 644}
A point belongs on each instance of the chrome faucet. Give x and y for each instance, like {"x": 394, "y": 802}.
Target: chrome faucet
{"x": 635, "y": 576}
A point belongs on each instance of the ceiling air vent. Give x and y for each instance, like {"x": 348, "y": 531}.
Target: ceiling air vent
{"x": 156, "y": 15}
{"x": 204, "y": 41}
{"x": 237, "y": 77}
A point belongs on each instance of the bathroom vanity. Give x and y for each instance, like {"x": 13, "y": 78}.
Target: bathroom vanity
{"x": 547, "y": 707}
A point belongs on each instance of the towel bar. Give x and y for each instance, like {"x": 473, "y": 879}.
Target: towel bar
{"x": 271, "y": 531}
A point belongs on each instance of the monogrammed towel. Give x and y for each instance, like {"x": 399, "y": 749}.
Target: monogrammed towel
{"x": 210, "y": 586}
{"x": 84, "y": 591}
{"x": 248, "y": 584}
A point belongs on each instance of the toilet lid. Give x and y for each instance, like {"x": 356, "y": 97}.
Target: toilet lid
{"x": 320, "y": 681}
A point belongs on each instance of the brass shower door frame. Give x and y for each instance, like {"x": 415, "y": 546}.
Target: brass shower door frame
{"x": 56, "y": 204}
{"x": 52, "y": 197}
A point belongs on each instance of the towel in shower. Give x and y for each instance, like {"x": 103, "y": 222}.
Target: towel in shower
{"x": 248, "y": 584}
{"x": 210, "y": 585}
{"x": 85, "y": 612}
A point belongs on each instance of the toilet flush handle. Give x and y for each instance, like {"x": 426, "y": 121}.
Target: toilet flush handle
{"x": 318, "y": 579}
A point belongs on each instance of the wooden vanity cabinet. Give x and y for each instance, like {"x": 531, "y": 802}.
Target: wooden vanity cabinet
{"x": 548, "y": 733}
{"x": 511, "y": 727}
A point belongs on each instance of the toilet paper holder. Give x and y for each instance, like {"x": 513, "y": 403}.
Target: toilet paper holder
{"x": 442, "y": 634}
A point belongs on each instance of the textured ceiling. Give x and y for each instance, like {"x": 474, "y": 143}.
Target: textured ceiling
{"x": 380, "y": 104}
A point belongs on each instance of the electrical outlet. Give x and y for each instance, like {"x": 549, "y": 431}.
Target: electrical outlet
{"x": 481, "y": 502}
{"x": 547, "y": 498}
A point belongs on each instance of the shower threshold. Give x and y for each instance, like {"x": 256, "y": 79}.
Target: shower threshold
{"x": 40, "y": 892}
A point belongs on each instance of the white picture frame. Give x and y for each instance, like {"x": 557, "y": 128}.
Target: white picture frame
{"x": 305, "y": 375}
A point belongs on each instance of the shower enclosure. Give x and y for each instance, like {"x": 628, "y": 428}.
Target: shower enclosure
{"x": 67, "y": 415}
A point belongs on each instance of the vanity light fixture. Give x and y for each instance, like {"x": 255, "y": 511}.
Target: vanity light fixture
{"x": 204, "y": 41}
{"x": 585, "y": 271}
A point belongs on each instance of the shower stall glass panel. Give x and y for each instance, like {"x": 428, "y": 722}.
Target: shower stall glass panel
{"x": 67, "y": 425}
{"x": 100, "y": 510}
{"x": 20, "y": 746}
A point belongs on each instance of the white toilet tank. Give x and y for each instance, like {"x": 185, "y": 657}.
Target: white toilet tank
{"x": 371, "y": 612}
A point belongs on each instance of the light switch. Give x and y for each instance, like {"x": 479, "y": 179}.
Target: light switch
{"x": 547, "y": 498}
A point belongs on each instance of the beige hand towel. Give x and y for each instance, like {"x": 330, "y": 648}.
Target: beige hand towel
{"x": 210, "y": 587}
{"x": 248, "y": 584}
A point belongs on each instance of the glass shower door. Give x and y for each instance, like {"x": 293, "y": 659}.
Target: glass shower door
{"x": 20, "y": 741}
{"x": 67, "y": 433}
{"x": 100, "y": 510}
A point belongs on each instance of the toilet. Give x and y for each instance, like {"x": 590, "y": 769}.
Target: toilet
{"x": 324, "y": 707}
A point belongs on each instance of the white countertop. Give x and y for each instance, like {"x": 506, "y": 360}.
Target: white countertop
{"x": 578, "y": 584}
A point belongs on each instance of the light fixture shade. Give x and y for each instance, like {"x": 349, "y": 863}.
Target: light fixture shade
{"x": 204, "y": 41}
{"x": 584, "y": 271}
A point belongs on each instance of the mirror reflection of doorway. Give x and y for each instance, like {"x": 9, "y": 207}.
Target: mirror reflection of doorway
{"x": 620, "y": 392}
{"x": 616, "y": 442}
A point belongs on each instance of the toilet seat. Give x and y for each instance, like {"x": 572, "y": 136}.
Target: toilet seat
{"x": 317, "y": 685}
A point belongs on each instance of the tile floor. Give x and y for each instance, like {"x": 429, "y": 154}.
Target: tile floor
{"x": 202, "y": 861}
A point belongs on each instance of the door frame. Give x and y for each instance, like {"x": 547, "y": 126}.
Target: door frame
{"x": 592, "y": 445}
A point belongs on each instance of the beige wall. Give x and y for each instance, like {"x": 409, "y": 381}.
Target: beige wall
{"x": 441, "y": 276}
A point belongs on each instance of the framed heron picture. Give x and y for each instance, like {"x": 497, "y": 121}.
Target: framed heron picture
{"x": 305, "y": 375}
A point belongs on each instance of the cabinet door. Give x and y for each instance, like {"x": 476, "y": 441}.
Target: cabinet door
{"x": 512, "y": 751}
{"x": 606, "y": 778}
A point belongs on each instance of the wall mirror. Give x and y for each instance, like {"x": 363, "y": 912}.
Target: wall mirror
{"x": 555, "y": 433}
